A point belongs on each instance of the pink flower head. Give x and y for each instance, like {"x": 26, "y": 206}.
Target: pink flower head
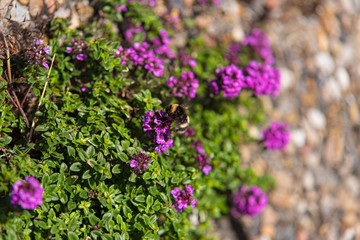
{"x": 277, "y": 136}
{"x": 186, "y": 85}
{"x": 183, "y": 198}
{"x": 157, "y": 126}
{"x": 27, "y": 194}
{"x": 140, "y": 161}
{"x": 229, "y": 80}
{"x": 248, "y": 201}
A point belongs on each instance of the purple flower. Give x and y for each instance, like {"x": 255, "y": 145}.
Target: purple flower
{"x": 121, "y": 8}
{"x": 203, "y": 161}
{"x": 37, "y": 54}
{"x": 151, "y": 3}
{"x": 120, "y": 53}
{"x": 161, "y": 45}
{"x": 28, "y": 194}
{"x": 47, "y": 50}
{"x": 248, "y": 201}
{"x": 215, "y": 2}
{"x": 68, "y": 49}
{"x": 263, "y": 79}
{"x": 157, "y": 126}
{"x": 186, "y": 85}
{"x": 85, "y": 89}
{"x": 260, "y": 44}
{"x": 78, "y": 48}
{"x": 189, "y": 132}
{"x": 233, "y": 53}
{"x": 183, "y": 198}
{"x": 139, "y": 54}
{"x": 140, "y": 161}
{"x": 186, "y": 59}
{"x": 198, "y": 146}
{"x": 131, "y": 31}
{"x": 81, "y": 57}
{"x": 277, "y": 136}
{"x": 229, "y": 79}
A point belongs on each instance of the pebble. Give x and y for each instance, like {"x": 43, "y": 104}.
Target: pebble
{"x": 353, "y": 185}
{"x": 237, "y": 33}
{"x": 343, "y": 78}
{"x": 298, "y": 137}
{"x": 331, "y": 90}
{"x": 24, "y": 2}
{"x": 18, "y": 13}
{"x": 51, "y": 5}
{"x": 308, "y": 180}
{"x": 35, "y": 7}
{"x": 327, "y": 205}
{"x": 62, "y": 12}
{"x": 312, "y": 160}
{"x": 325, "y": 63}
{"x": 287, "y": 79}
{"x": 349, "y": 234}
{"x": 316, "y": 118}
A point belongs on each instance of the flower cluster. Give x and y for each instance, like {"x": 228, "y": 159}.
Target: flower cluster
{"x": 78, "y": 47}
{"x": 140, "y": 161}
{"x": 120, "y": 8}
{"x": 190, "y": 131}
{"x": 203, "y": 159}
{"x": 260, "y": 44}
{"x": 198, "y": 146}
{"x": 215, "y": 2}
{"x": 141, "y": 55}
{"x": 151, "y": 3}
{"x": 157, "y": 126}
{"x": 186, "y": 59}
{"x": 131, "y": 31}
{"x": 161, "y": 45}
{"x": 28, "y": 194}
{"x": 233, "y": 53}
{"x": 229, "y": 79}
{"x": 37, "y": 53}
{"x": 183, "y": 198}
{"x": 185, "y": 85}
{"x": 248, "y": 201}
{"x": 277, "y": 136}
{"x": 263, "y": 79}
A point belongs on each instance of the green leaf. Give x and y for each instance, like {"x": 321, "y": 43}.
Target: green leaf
{"x": 93, "y": 219}
{"x": 149, "y": 201}
{"x": 75, "y": 167}
{"x": 84, "y": 194}
{"x": 83, "y": 156}
{"x": 127, "y": 211}
{"x": 116, "y": 169}
{"x": 45, "y": 180}
{"x": 71, "y": 151}
{"x": 72, "y": 236}
{"x": 163, "y": 197}
{"x": 41, "y": 128}
{"x": 90, "y": 151}
{"x": 5, "y": 140}
{"x": 42, "y": 224}
{"x": 140, "y": 198}
{"x": 86, "y": 175}
{"x": 123, "y": 157}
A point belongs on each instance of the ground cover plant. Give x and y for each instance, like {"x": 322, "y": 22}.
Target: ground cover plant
{"x": 89, "y": 151}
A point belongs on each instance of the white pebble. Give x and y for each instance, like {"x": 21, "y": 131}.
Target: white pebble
{"x": 316, "y": 119}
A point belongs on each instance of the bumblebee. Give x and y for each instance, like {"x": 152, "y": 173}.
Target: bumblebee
{"x": 179, "y": 115}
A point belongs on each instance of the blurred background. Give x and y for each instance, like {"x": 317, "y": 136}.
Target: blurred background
{"x": 315, "y": 44}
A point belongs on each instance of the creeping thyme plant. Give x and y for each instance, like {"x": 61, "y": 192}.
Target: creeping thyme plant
{"x": 88, "y": 151}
